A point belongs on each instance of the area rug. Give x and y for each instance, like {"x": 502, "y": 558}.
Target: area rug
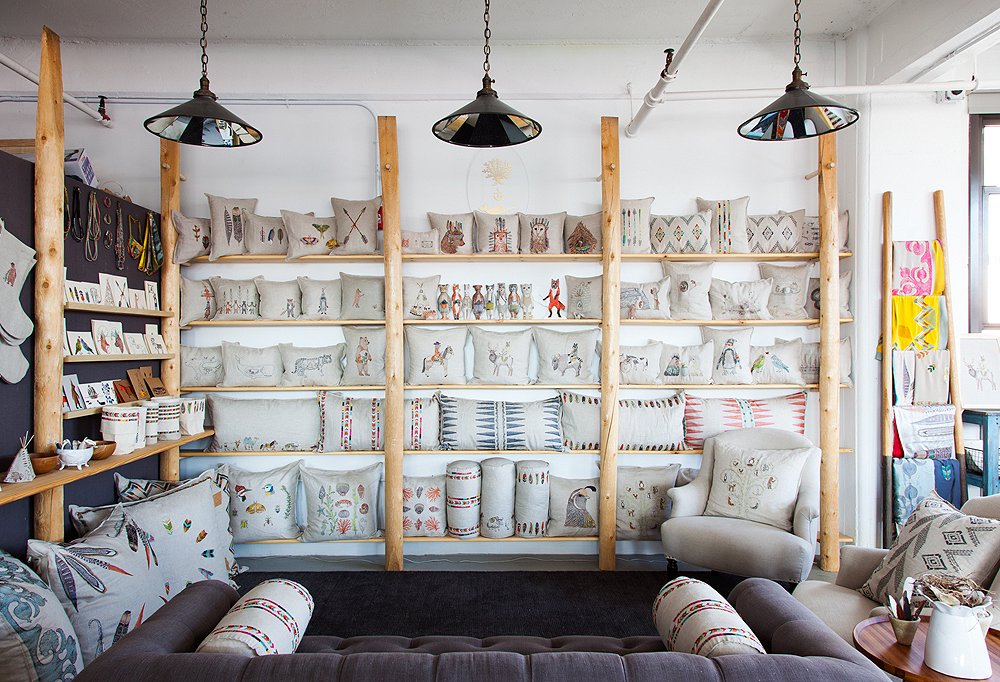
{"x": 483, "y": 604}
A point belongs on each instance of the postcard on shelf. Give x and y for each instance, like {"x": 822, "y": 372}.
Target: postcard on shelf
{"x": 93, "y": 395}
{"x": 135, "y": 343}
{"x": 124, "y": 391}
{"x": 65, "y": 340}
{"x": 152, "y": 295}
{"x": 72, "y": 395}
{"x": 137, "y": 299}
{"x": 138, "y": 380}
{"x": 81, "y": 343}
{"x": 70, "y": 292}
{"x": 114, "y": 290}
{"x": 156, "y": 386}
{"x": 156, "y": 343}
{"x": 109, "y": 337}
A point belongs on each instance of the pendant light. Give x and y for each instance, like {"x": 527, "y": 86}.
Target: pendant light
{"x": 799, "y": 113}
{"x": 202, "y": 121}
{"x": 486, "y": 121}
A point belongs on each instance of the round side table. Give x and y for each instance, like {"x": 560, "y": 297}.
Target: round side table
{"x": 875, "y": 639}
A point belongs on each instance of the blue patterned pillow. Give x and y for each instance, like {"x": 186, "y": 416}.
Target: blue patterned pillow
{"x": 500, "y": 425}
{"x": 37, "y": 640}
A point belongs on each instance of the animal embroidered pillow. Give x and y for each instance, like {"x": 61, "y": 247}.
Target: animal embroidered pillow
{"x": 197, "y": 300}
{"x": 235, "y": 299}
{"x": 643, "y": 504}
{"x": 497, "y": 233}
{"x": 708, "y": 417}
{"x": 193, "y": 237}
{"x": 435, "y": 355}
{"x": 262, "y": 503}
{"x": 541, "y": 233}
{"x": 583, "y": 296}
{"x": 365, "y": 356}
{"x": 321, "y": 298}
{"x": 640, "y": 364}
{"x": 420, "y": 297}
{"x": 689, "y": 287}
{"x": 500, "y": 357}
{"x": 260, "y": 424}
{"x": 566, "y": 357}
{"x": 267, "y": 235}
{"x": 740, "y": 300}
{"x": 421, "y": 241}
{"x": 812, "y": 301}
{"x": 636, "y": 214}
{"x": 582, "y": 233}
{"x": 308, "y": 235}
{"x": 311, "y": 366}
{"x": 229, "y": 225}
{"x": 249, "y": 366}
{"x": 681, "y": 233}
{"x": 811, "y": 358}
{"x": 279, "y": 300}
{"x": 687, "y": 364}
{"x": 573, "y": 506}
{"x": 789, "y": 289}
{"x": 731, "y": 354}
{"x": 358, "y": 223}
{"x": 777, "y": 364}
{"x": 362, "y": 298}
{"x": 340, "y": 505}
{"x": 645, "y": 300}
{"x": 500, "y": 425}
{"x": 201, "y": 366}
{"x": 729, "y": 224}
{"x": 456, "y": 230}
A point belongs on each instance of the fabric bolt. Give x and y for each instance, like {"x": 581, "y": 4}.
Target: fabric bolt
{"x": 919, "y": 323}
{"x": 468, "y": 424}
{"x": 279, "y": 300}
{"x": 194, "y": 237}
{"x": 926, "y": 431}
{"x": 645, "y": 300}
{"x": 642, "y": 501}
{"x": 262, "y": 503}
{"x": 582, "y": 234}
{"x": 266, "y": 235}
{"x": 640, "y": 364}
{"x": 693, "y": 618}
{"x": 917, "y": 268}
{"x": 740, "y": 300}
{"x": 731, "y": 354}
{"x": 646, "y": 425}
{"x": 583, "y": 297}
{"x": 340, "y": 505}
{"x": 365, "y": 356}
{"x": 931, "y": 377}
{"x": 464, "y": 488}
{"x": 636, "y": 214}
{"x": 352, "y": 423}
{"x": 707, "y": 417}
{"x": 687, "y": 364}
{"x": 809, "y": 241}
{"x": 308, "y": 234}
{"x": 201, "y": 366}
{"x": 777, "y": 364}
{"x": 531, "y": 498}
{"x": 573, "y": 506}
{"x": 813, "y": 303}
{"x": 775, "y": 233}
{"x": 249, "y": 366}
{"x": 255, "y": 424}
{"x": 904, "y": 377}
{"x": 321, "y": 366}
{"x": 681, "y": 233}
{"x": 229, "y": 225}
{"x": 436, "y": 355}
{"x": 566, "y": 357}
{"x": 419, "y": 297}
{"x": 269, "y": 619}
{"x": 358, "y": 223}
{"x": 320, "y": 299}
{"x": 496, "y": 513}
{"x": 421, "y": 241}
{"x": 729, "y": 223}
{"x": 424, "y": 506}
{"x": 789, "y": 290}
{"x": 497, "y": 233}
{"x": 500, "y": 357}
{"x": 541, "y": 234}
{"x": 362, "y": 298}
{"x": 235, "y": 299}
{"x": 690, "y": 284}
{"x": 811, "y": 360}
{"x": 197, "y": 301}
{"x": 457, "y": 231}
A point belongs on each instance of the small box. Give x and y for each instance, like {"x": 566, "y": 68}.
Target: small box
{"x": 77, "y": 165}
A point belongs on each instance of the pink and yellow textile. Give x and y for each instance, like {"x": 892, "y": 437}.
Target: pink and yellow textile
{"x": 917, "y": 268}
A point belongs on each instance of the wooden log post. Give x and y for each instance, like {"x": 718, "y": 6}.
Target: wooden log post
{"x": 393, "y": 428}
{"x": 170, "y": 288}
{"x": 829, "y": 371}
{"x": 49, "y": 188}
{"x": 610, "y": 305}
{"x": 887, "y": 440}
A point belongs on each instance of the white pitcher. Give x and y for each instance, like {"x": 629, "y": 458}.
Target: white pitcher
{"x": 955, "y": 642}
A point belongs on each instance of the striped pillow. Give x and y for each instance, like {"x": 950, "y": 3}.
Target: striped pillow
{"x": 647, "y": 425}
{"x": 500, "y": 425}
{"x": 693, "y": 618}
{"x": 270, "y": 619}
{"x": 708, "y": 417}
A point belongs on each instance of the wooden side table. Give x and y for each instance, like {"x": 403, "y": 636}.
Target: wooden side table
{"x": 875, "y": 639}
{"x": 989, "y": 422}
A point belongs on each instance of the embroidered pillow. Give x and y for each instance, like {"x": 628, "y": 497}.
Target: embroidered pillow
{"x": 134, "y": 489}
{"x": 37, "y": 639}
{"x": 811, "y": 357}
{"x": 582, "y": 233}
{"x": 435, "y": 355}
{"x": 693, "y": 618}
{"x": 690, "y": 283}
{"x": 279, "y": 300}
{"x": 566, "y": 357}
{"x": 777, "y": 364}
{"x": 812, "y": 302}
{"x": 775, "y": 233}
{"x": 362, "y": 298}
{"x": 583, "y": 296}
{"x": 229, "y": 225}
{"x": 311, "y": 366}
{"x": 789, "y": 289}
{"x": 365, "y": 364}
{"x": 356, "y": 423}
{"x": 197, "y": 300}
{"x": 636, "y": 214}
{"x": 640, "y": 364}
{"x": 687, "y": 364}
{"x": 269, "y": 619}
{"x": 420, "y": 297}
{"x": 424, "y": 512}
{"x": 740, "y": 300}
{"x": 340, "y": 505}
{"x": 729, "y": 224}
{"x": 496, "y": 509}
{"x": 262, "y": 503}
{"x": 235, "y": 299}
{"x": 573, "y": 504}
{"x": 500, "y": 357}
{"x": 531, "y": 498}
{"x": 464, "y": 487}
{"x": 308, "y": 235}
{"x": 542, "y": 233}
{"x": 500, "y": 425}
{"x": 646, "y": 300}
{"x": 456, "y": 230}
{"x": 756, "y": 485}
{"x": 937, "y": 538}
{"x": 648, "y": 425}
{"x": 193, "y": 237}
{"x": 201, "y": 366}
{"x": 681, "y": 233}
{"x": 249, "y": 366}
{"x": 707, "y": 417}
{"x": 107, "y": 582}
{"x": 256, "y": 424}
{"x": 358, "y": 223}
{"x": 731, "y": 354}
{"x": 809, "y": 241}
{"x": 320, "y": 298}
{"x": 643, "y": 504}
{"x": 421, "y": 241}
{"x": 266, "y": 235}
{"x": 497, "y": 233}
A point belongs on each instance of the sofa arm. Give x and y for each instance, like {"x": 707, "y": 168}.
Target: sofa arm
{"x": 857, "y": 565}
{"x": 690, "y": 500}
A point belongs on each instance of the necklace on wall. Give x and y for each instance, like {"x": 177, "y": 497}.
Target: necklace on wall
{"x": 93, "y": 229}
{"x": 66, "y": 215}
{"x": 134, "y": 245}
{"x": 152, "y": 249}
{"x": 76, "y": 225}
{"x": 119, "y": 238}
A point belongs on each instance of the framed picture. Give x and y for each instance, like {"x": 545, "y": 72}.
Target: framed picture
{"x": 980, "y": 371}
{"x": 137, "y": 299}
{"x": 108, "y": 336}
{"x": 152, "y": 295}
{"x": 93, "y": 395}
{"x": 81, "y": 343}
{"x": 72, "y": 395}
{"x": 123, "y": 389}
{"x": 114, "y": 290}
{"x": 135, "y": 343}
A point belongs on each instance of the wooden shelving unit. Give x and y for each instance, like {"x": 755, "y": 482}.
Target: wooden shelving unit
{"x": 279, "y": 389}
{"x": 117, "y": 358}
{"x": 543, "y": 321}
{"x": 596, "y": 258}
{"x": 731, "y": 323}
{"x": 256, "y": 258}
{"x": 283, "y": 323}
{"x": 114, "y": 310}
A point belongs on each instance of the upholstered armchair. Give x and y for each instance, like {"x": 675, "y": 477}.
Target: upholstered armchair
{"x": 739, "y": 546}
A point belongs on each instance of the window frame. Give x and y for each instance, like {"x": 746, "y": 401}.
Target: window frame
{"x": 979, "y": 241}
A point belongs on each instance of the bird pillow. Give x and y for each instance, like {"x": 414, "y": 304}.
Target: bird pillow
{"x": 777, "y": 364}
{"x": 572, "y": 506}
{"x": 731, "y": 359}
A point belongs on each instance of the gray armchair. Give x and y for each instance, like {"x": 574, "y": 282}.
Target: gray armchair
{"x": 738, "y": 546}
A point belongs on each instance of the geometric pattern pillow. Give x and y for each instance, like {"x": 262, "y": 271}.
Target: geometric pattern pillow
{"x": 681, "y": 233}
{"x": 498, "y": 425}
{"x": 937, "y": 538}
{"x": 774, "y": 233}
{"x": 708, "y": 417}
{"x": 37, "y": 640}
{"x": 356, "y": 423}
{"x": 693, "y": 618}
{"x": 131, "y": 490}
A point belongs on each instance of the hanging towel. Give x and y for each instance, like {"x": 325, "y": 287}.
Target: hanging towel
{"x": 914, "y": 479}
{"x": 919, "y": 323}
{"x": 946, "y": 481}
{"x": 903, "y": 364}
{"x": 931, "y": 371}
{"x": 926, "y": 431}
{"x": 917, "y": 268}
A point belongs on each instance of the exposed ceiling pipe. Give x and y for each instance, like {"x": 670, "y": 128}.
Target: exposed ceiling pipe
{"x": 833, "y": 91}
{"x": 17, "y": 68}
{"x": 669, "y": 73}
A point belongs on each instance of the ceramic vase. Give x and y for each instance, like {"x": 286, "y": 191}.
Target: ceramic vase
{"x": 955, "y": 642}
{"x": 905, "y": 630}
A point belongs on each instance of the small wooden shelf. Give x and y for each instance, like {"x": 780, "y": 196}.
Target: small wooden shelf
{"x": 274, "y": 453}
{"x": 494, "y": 387}
{"x": 496, "y": 323}
{"x": 727, "y": 257}
{"x": 300, "y": 541}
{"x": 699, "y": 387}
{"x": 282, "y": 258}
{"x": 480, "y": 538}
{"x": 267, "y": 389}
{"x": 114, "y": 310}
{"x": 118, "y": 358}
{"x": 812, "y": 322}
{"x": 76, "y": 414}
{"x": 282, "y": 323}
{"x": 17, "y": 491}
{"x": 503, "y": 257}
{"x": 596, "y": 257}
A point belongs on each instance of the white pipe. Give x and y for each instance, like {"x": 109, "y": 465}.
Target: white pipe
{"x": 655, "y": 94}
{"x": 69, "y": 99}
{"x": 831, "y": 91}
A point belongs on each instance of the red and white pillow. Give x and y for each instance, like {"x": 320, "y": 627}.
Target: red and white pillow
{"x": 708, "y": 417}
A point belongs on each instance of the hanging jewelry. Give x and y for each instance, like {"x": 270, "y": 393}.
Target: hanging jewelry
{"x": 93, "y": 229}
{"x": 76, "y": 224}
{"x": 134, "y": 245}
{"x": 119, "y": 238}
{"x": 152, "y": 249}
{"x": 66, "y": 215}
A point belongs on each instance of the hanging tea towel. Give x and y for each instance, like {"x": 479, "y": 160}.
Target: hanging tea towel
{"x": 463, "y": 488}
{"x": 13, "y": 364}
{"x": 16, "y": 261}
{"x": 497, "y": 511}
{"x": 917, "y": 268}
{"x": 903, "y": 365}
{"x": 931, "y": 382}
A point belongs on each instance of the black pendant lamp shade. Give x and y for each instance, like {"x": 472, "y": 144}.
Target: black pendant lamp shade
{"x": 202, "y": 121}
{"x": 487, "y": 122}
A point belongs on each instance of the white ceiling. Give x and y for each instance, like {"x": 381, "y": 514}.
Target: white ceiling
{"x": 425, "y": 20}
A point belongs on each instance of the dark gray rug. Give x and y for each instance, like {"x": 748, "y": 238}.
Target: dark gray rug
{"x": 483, "y": 604}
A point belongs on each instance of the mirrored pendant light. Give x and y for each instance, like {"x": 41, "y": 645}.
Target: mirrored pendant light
{"x": 799, "y": 113}
{"x": 202, "y": 121}
{"x": 486, "y": 121}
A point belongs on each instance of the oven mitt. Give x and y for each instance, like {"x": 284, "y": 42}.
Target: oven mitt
{"x": 16, "y": 261}
{"x": 13, "y": 364}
